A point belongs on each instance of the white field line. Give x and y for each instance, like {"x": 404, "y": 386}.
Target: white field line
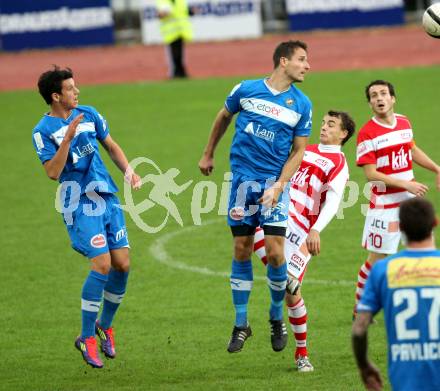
{"x": 158, "y": 251}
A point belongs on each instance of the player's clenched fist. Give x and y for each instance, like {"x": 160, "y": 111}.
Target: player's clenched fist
{"x": 206, "y": 165}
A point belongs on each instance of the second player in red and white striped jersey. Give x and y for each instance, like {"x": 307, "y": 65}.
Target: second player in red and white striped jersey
{"x": 386, "y": 152}
{"x": 389, "y": 148}
{"x": 323, "y": 167}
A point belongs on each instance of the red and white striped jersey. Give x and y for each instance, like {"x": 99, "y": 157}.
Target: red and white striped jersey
{"x": 323, "y": 167}
{"x": 389, "y": 148}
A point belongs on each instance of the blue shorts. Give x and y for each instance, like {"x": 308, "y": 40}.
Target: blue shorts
{"x": 97, "y": 226}
{"x": 243, "y": 207}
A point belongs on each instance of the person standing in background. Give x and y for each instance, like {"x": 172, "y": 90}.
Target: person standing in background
{"x": 176, "y": 29}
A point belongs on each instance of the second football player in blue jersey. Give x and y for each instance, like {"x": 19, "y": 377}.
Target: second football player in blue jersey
{"x": 271, "y": 132}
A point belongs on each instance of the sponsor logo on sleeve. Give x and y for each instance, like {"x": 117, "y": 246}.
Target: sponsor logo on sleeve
{"x": 361, "y": 148}
{"x": 38, "y": 141}
{"x": 406, "y": 135}
{"x": 104, "y": 122}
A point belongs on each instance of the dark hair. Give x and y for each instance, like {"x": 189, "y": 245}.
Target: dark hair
{"x": 348, "y": 123}
{"x": 417, "y": 219}
{"x": 379, "y": 83}
{"x": 286, "y": 49}
{"x": 51, "y": 81}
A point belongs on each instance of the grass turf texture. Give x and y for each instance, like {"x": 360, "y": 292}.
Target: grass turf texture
{"x": 173, "y": 326}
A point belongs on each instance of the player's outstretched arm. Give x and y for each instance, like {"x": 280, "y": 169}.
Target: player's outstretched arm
{"x": 423, "y": 160}
{"x": 369, "y": 373}
{"x": 55, "y": 166}
{"x": 118, "y": 156}
{"x": 416, "y": 188}
{"x": 221, "y": 123}
{"x": 271, "y": 195}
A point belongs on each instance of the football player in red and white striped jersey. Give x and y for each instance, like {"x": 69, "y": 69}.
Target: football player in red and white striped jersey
{"x": 316, "y": 191}
{"x": 386, "y": 151}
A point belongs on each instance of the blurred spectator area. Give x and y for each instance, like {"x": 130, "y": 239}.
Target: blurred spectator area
{"x": 127, "y": 20}
{"x": 274, "y": 16}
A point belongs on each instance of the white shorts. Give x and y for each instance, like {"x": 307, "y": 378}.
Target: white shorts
{"x": 295, "y": 250}
{"x": 381, "y": 231}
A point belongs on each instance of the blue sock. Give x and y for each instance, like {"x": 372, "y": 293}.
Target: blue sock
{"x": 241, "y": 285}
{"x": 91, "y": 297}
{"x": 277, "y": 279}
{"x": 113, "y": 294}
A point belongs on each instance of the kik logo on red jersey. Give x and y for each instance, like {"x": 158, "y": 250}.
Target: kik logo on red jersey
{"x": 400, "y": 159}
{"x": 301, "y": 177}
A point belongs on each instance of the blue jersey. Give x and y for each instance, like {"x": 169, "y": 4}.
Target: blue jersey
{"x": 407, "y": 286}
{"x": 265, "y": 127}
{"x": 84, "y": 166}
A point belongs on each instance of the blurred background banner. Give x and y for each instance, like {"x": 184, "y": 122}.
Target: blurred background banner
{"x": 336, "y": 14}
{"x": 213, "y": 20}
{"x": 27, "y": 24}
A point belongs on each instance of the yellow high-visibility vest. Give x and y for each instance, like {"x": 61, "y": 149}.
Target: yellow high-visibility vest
{"x": 177, "y": 24}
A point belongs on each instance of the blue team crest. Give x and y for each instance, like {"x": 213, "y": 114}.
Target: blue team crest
{"x": 290, "y": 102}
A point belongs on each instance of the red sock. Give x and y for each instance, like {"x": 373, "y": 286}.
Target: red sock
{"x": 298, "y": 321}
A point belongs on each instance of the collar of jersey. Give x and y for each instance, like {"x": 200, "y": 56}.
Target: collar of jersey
{"x": 273, "y": 90}
{"x": 61, "y": 118}
{"x": 386, "y": 126}
{"x": 329, "y": 148}
{"x": 417, "y": 250}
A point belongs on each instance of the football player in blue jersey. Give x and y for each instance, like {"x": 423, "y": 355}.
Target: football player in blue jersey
{"x": 271, "y": 132}
{"x": 407, "y": 286}
{"x": 66, "y": 141}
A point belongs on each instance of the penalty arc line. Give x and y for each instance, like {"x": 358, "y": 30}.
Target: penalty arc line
{"x": 158, "y": 250}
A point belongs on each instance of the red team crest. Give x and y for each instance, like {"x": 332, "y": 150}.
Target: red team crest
{"x": 236, "y": 213}
{"x": 98, "y": 241}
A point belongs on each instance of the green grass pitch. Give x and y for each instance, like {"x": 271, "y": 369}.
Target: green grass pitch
{"x": 174, "y": 324}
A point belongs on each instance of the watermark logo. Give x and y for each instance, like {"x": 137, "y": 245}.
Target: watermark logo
{"x": 164, "y": 185}
{"x": 165, "y": 188}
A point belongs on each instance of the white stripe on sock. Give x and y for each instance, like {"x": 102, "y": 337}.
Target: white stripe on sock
{"x": 240, "y": 285}
{"x": 299, "y": 328}
{"x": 277, "y": 285}
{"x": 91, "y": 306}
{"x": 113, "y": 297}
{"x": 297, "y": 312}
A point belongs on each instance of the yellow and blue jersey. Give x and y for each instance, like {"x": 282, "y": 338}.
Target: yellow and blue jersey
{"x": 407, "y": 287}
{"x": 266, "y": 125}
